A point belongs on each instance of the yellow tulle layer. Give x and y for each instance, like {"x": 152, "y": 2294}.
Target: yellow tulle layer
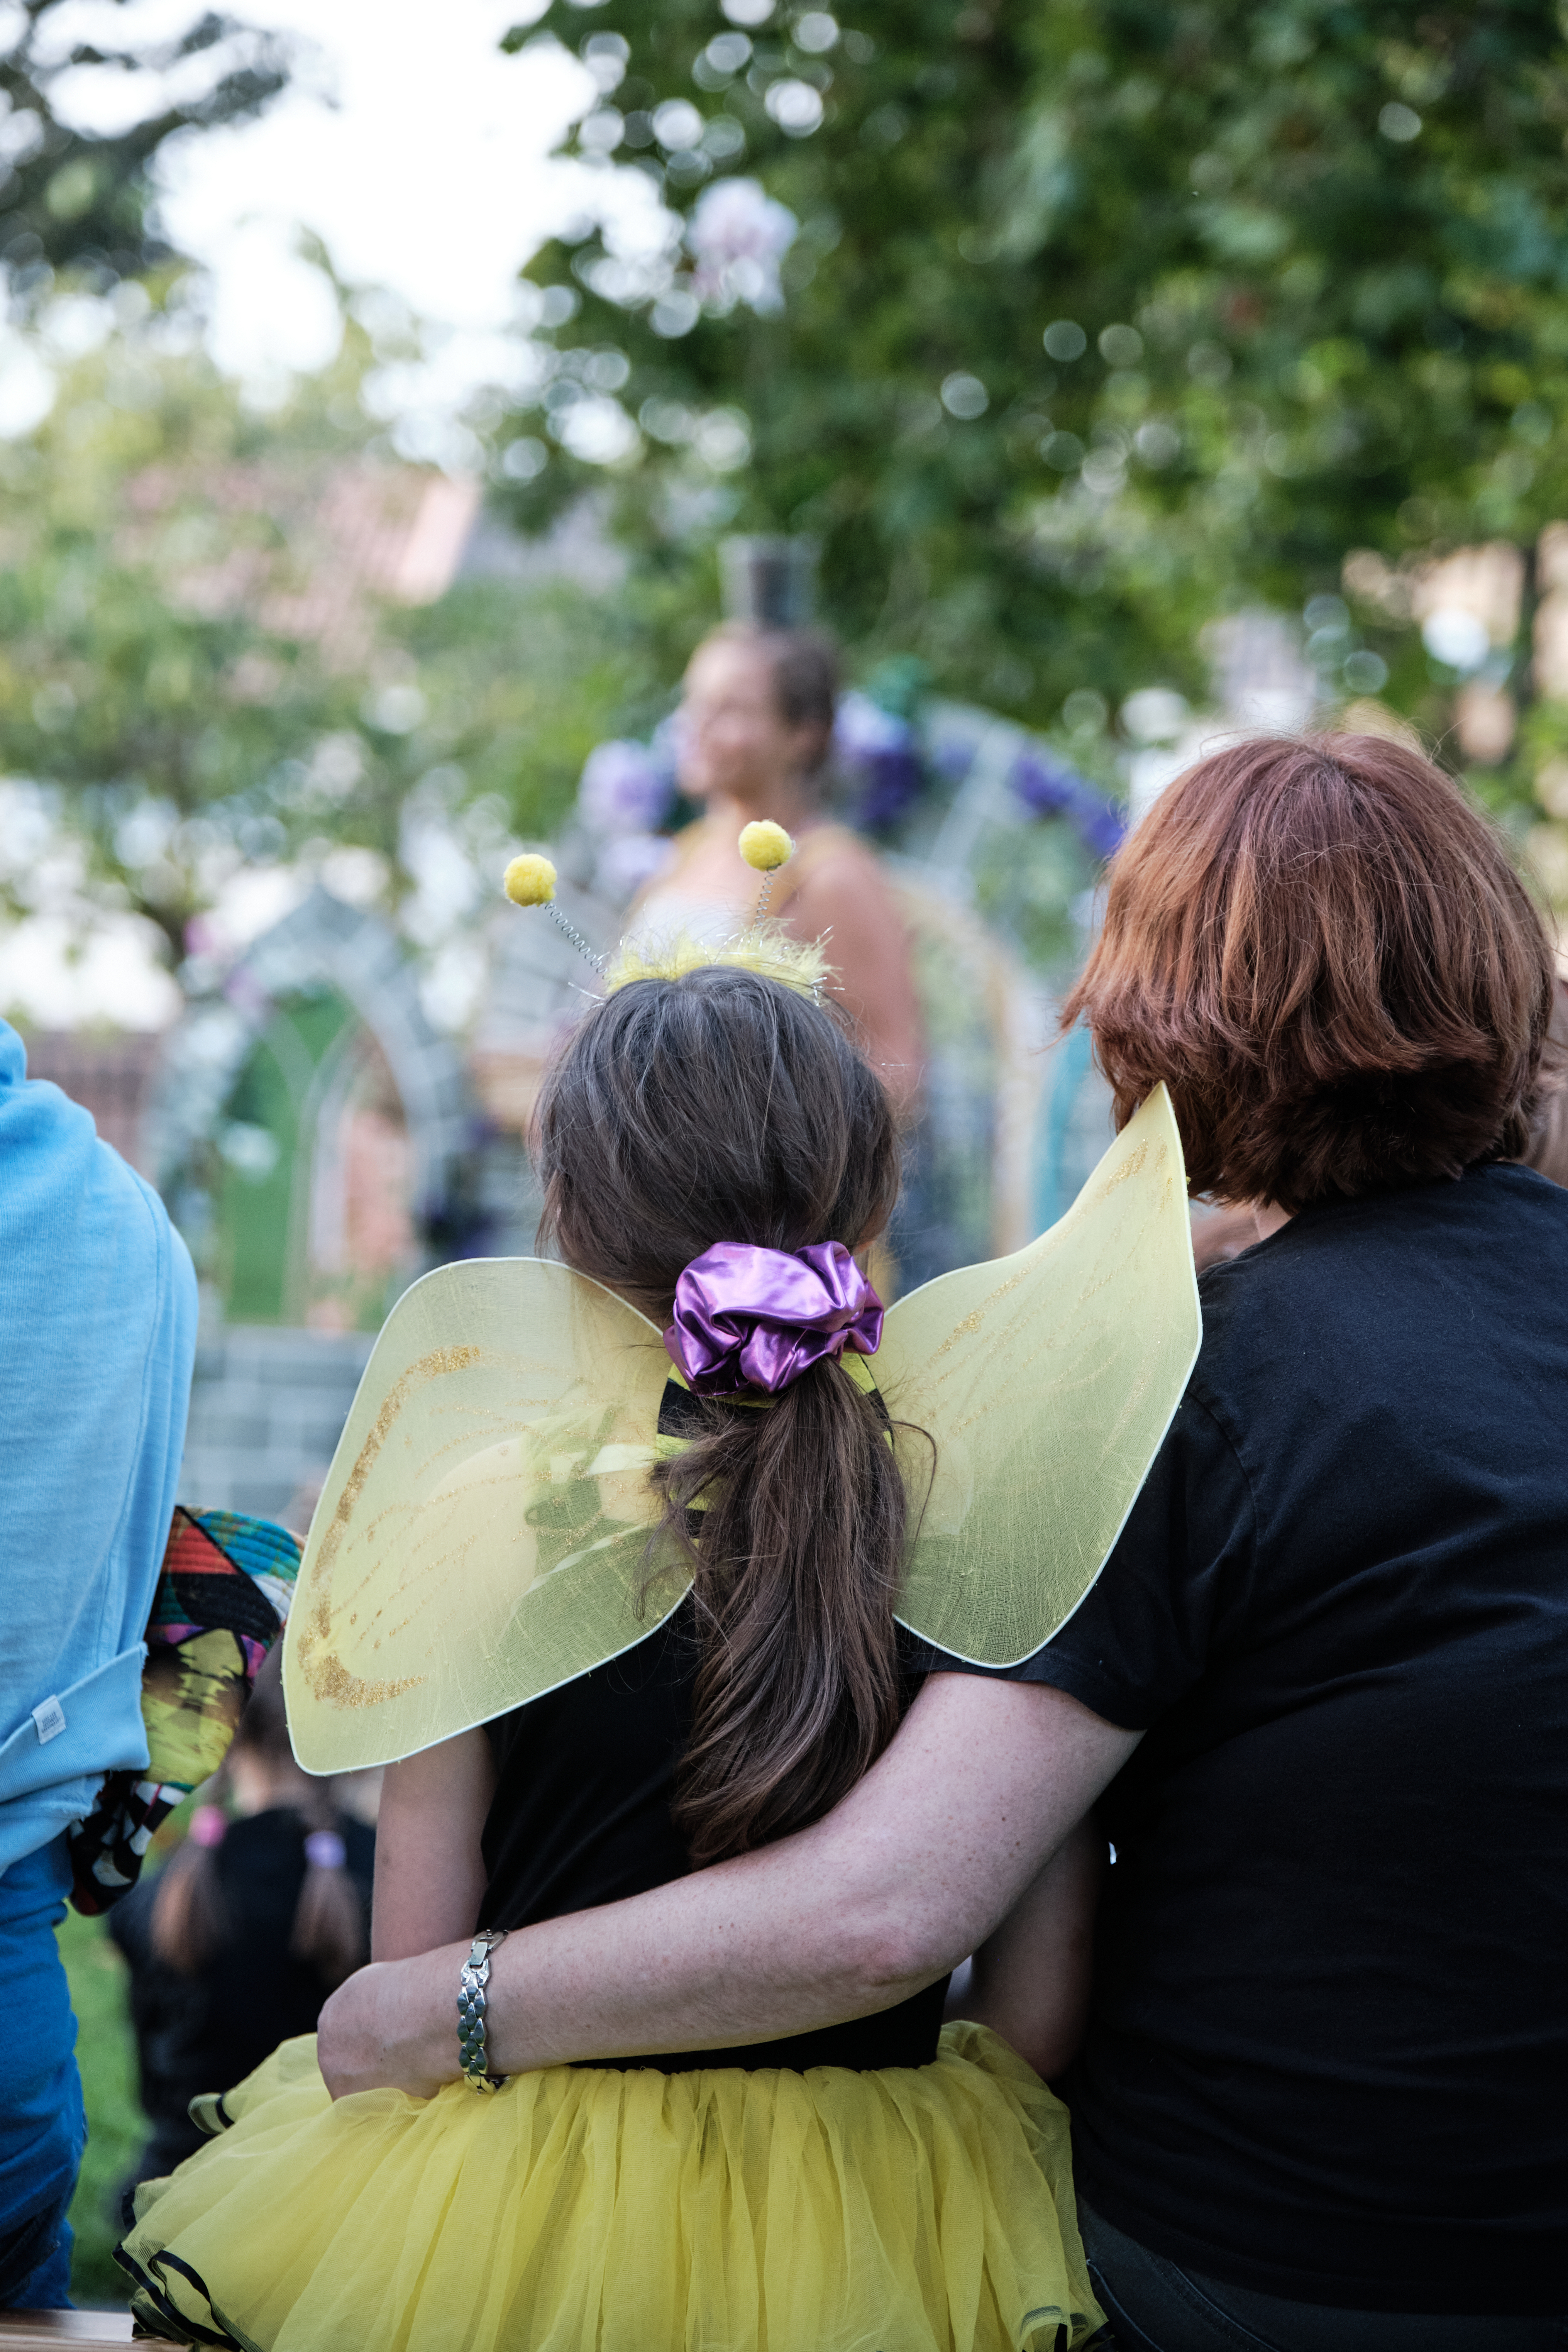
{"x": 916, "y": 2209}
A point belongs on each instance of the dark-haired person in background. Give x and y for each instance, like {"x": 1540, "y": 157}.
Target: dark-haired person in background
{"x": 756, "y": 736}
{"x": 98, "y": 1326}
{"x": 1321, "y": 1690}
{"x": 1549, "y": 1132}
{"x": 235, "y": 1943}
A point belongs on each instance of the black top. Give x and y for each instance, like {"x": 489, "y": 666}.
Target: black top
{"x": 1327, "y": 2055}
{"x": 580, "y": 1816}
{"x": 206, "y": 2031}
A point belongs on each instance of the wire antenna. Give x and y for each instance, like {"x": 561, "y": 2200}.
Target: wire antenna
{"x": 529, "y": 881}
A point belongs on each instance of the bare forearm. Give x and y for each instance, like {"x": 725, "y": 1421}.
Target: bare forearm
{"x": 1030, "y": 1981}
{"x": 680, "y": 1969}
{"x": 735, "y": 1954}
{"x": 429, "y": 1869}
{"x": 912, "y": 1870}
{"x": 702, "y": 1963}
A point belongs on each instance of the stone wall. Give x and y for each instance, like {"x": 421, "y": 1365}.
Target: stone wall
{"x": 266, "y": 1411}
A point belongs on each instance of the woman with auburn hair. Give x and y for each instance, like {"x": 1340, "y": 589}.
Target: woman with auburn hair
{"x": 1321, "y": 1690}
{"x": 1331, "y": 961}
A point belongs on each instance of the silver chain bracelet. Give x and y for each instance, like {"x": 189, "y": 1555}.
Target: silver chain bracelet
{"x": 473, "y": 2001}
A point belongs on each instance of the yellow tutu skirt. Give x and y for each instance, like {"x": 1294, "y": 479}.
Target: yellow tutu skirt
{"x": 916, "y": 2209}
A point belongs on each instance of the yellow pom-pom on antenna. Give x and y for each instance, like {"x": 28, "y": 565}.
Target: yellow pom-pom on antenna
{"x": 529, "y": 881}
{"x": 765, "y": 845}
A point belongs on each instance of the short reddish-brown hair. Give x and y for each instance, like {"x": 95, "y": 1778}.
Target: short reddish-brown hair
{"x": 1326, "y": 954}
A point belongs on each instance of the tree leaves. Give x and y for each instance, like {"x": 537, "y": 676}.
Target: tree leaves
{"x": 1338, "y": 234}
{"x": 70, "y": 199}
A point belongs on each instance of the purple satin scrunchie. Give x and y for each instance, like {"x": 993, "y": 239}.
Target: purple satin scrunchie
{"x": 748, "y": 1317}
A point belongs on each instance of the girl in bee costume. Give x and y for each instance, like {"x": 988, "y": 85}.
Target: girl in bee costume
{"x": 665, "y": 1535}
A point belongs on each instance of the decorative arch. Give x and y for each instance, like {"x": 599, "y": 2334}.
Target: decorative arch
{"x": 315, "y": 1034}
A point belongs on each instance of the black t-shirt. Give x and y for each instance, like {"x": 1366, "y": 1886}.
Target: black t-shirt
{"x": 206, "y": 2031}
{"x": 581, "y": 1815}
{"x": 1327, "y": 2053}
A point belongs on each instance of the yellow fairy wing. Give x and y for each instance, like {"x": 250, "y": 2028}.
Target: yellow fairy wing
{"x": 481, "y": 1535}
{"x": 1047, "y": 1381}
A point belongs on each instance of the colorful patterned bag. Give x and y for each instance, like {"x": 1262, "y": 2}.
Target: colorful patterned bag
{"x": 221, "y": 1602}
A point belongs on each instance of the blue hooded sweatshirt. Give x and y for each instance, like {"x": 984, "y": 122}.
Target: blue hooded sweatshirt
{"x": 98, "y": 1312}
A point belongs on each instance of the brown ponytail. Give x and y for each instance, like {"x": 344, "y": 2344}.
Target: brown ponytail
{"x": 797, "y": 1572}
{"x": 724, "y": 1106}
{"x": 190, "y": 1919}
{"x": 329, "y": 1932}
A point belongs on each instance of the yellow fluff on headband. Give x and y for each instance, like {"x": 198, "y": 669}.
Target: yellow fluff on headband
{"x": 800, "y": 965}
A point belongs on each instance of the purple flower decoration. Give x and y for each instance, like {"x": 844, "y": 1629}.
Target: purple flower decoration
{"x": 1050, "y": 788}
{"x": 862, "y": 729}
{"x": 625, "y": 789}
{"x": 1044, "y": 784}
{"x": 1100, "y": 824}
{"x": 881, "y": 752}
{"x": 739, "y": 235}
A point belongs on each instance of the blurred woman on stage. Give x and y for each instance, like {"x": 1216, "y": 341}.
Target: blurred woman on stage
{"x": 755, "y": 735}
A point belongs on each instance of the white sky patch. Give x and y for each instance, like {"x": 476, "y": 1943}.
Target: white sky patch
{"x": 417, "y": 153}
{"x": 56, "y": 973}
{"x": 27, "y": 387}
{"x": 412, "y": 149}
{"x": 271, "y": 311}
{"x": 410, "y": 145}
{"x": 420, "y": 157}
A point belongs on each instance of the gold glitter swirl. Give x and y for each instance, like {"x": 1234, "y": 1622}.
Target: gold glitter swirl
{"x": 329, "y": 1680}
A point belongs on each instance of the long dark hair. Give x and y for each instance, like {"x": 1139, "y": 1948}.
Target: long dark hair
{"x": 725, "y": 1106}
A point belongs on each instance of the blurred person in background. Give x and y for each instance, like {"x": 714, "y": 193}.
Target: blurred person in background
{"x": 98, "y": 1319}
{"x": 236, "y": 1942}
{"x": 755, "y": 738}
{"x": 1220, "y": 1234}
{"x": 1549, "y": 1132}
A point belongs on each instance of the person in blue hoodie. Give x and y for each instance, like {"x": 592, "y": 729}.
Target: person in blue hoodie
{"x": 97, "y": 1314}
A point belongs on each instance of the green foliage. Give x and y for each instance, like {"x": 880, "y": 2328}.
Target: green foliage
{"x": 70, "y": 200}
{"x": 1305, "y": 266}
{"x": 196, "y": 674}
{"x": 520, "y": 684}
{"x": 135, "y": 675}
{"x": 116, "y": 2126}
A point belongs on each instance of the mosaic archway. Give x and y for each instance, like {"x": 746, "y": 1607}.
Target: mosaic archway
{"x": 312, "y": 1131}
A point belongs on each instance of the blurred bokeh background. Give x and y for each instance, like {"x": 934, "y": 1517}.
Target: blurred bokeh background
{"x": 389, "y": 399}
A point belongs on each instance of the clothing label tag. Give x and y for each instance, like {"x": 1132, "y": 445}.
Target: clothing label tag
{"x": 48, "y": 1721}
